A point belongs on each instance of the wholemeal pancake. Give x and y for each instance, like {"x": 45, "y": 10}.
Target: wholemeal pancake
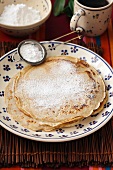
{"x": 57, "y": 93}
{"x": 25, "y": 120}
{"x": 29, "y": 122}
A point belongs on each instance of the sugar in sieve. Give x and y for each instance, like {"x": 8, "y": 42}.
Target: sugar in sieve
{"x": 33, "y": 52}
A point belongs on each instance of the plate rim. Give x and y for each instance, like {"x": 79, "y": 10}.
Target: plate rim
{"x": 58, "y": 139}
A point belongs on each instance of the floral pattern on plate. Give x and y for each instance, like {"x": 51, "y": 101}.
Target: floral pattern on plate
{"x": 86, "y": 126}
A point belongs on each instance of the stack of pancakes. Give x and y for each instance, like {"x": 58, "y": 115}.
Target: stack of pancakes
{"x": 55, "y": 94}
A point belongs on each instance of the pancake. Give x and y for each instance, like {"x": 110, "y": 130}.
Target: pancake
{"x": 31, "y": 123}
{"x": 55, "y": 94}
{"x": 25, "y": 120}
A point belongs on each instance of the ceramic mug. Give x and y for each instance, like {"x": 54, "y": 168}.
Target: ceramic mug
{"x": 90, "y": 21}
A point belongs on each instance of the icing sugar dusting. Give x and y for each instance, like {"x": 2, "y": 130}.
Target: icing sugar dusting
{"x": 59, "y": 84}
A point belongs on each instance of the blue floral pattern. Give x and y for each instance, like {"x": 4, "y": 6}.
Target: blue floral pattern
{"x": 6, "y": 78}
{"x": 4, "y": 109}
{"x": 14, "y": 126}
{"x": 19, "y": 66}
{"x": 64, "y": 52}
{"x": 74, "y": 49}
{"x": 24, "y": 130}
{"x": 6, "y": 67}
{"x": 87, "y": 129}
{"x": 111, "y": 94}
{"x": 105, "y": 114}
{"x": 94, "y": 59}
{"x": 83, "y": 58}
{"x": 93, "y": 122}
{"x": 107, "y": 105}
{"x": 52, "y": 46}
{"x": 108, "y": 77}
{"x": 86, "y": 126}
{"x": 109, "y": 87}
{"x": 49, "y": 135}
{"x": 6, "y": 118}
{"x": 79, "y": 126}
{"x": 10, "y": 59}
{"x": 36, "y": 135}
{"x": 1, "y": 93}
{"x": 63, "y": 136}
{"x": 60, "y": 131}
{"x": 73, "y": 133}
{"x": 99, "y": 71}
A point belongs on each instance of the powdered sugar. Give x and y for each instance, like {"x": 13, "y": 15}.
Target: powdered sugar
{"x": 31, "y": 53}
{"x": 56, "y": 86}
{"x": 19, "y": 15}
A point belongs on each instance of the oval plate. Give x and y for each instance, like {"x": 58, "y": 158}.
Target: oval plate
{"x": 9, "y": 68}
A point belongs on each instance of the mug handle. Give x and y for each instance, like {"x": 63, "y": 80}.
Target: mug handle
{"x": 74, "y": 20}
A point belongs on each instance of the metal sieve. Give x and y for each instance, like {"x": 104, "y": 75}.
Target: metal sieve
{"x": 32, "y": 44}
{"x": 39, "y": 47}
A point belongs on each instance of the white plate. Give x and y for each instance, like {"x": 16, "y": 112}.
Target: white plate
{"x": 86, "y": 126}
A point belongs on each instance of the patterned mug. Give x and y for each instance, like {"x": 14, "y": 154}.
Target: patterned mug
{"x": 90, "y": 21}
